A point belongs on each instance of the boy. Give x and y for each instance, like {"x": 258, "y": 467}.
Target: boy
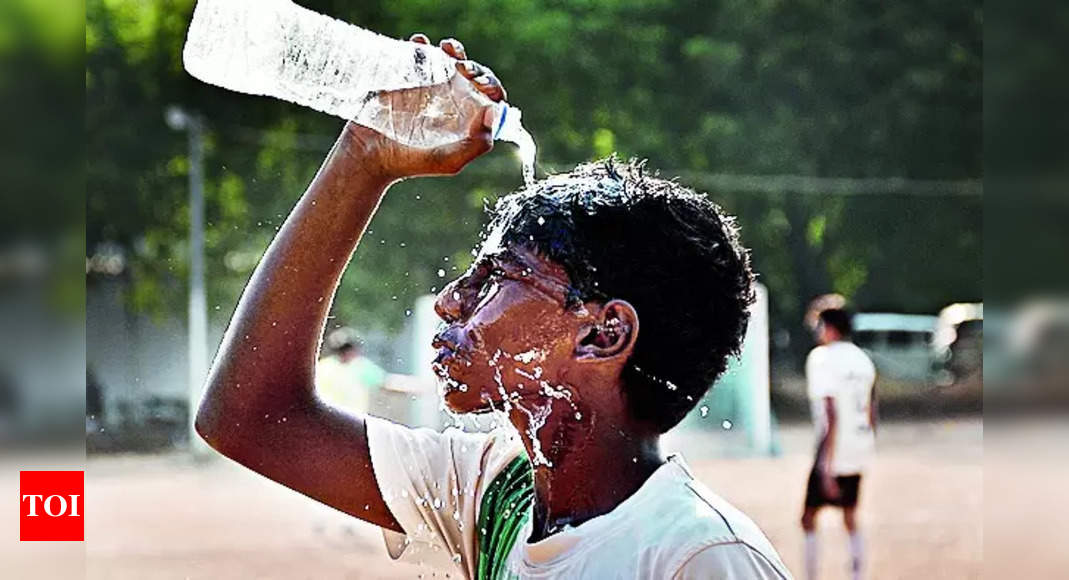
{"x": 545, "y": 326}
{"x": 840, "y": 379}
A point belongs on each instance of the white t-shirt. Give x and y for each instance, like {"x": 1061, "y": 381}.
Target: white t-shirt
{"x": 464, "y": 500}
{"x": 844, "y": 372}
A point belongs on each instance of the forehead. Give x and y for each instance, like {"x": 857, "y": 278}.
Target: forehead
{"x": 521, "y": 257}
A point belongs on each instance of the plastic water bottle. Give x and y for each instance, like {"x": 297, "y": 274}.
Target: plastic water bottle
{"x": 401, "y": 89}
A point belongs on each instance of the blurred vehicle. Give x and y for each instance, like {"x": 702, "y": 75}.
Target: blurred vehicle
{"x": 958, "y": 343}
{"x": 1028, "y": 362}
{"x": 899, "y": 344}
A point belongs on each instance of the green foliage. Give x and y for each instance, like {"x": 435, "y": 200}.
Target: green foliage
{"x": 840, "y": 88}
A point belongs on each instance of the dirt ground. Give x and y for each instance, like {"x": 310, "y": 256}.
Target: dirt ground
{"x": 150, "y": 517}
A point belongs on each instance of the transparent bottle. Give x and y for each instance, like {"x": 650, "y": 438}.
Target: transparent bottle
{"x": 409, "y": 92}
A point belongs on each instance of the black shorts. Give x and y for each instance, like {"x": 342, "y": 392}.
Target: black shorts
{"x": 849, "y": 487}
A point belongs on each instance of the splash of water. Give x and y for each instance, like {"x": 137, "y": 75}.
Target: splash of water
{"x": 510, "y": 129}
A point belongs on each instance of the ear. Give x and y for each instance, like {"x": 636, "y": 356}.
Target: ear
{"x": 610, "y": 334}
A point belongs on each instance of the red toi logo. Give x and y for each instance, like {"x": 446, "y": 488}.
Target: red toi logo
{"x": 51, "y": 506}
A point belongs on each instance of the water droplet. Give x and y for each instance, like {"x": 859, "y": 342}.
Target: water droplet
{"x": 704, "y": 410}
{"x": 441, "y": 273}
{"x": 726, "y": 424}
{"x": 541, "y": 221}
{"x": 408, "y": 312}
{"x": 437, "y": 504}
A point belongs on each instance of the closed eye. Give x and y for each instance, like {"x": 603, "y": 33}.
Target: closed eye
{"x": 490, "y": 281}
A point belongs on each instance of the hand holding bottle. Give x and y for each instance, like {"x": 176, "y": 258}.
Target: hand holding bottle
{"x": 471, "y": 120}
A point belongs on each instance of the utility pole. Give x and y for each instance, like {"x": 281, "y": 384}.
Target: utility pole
{"x": 180, "y": 120}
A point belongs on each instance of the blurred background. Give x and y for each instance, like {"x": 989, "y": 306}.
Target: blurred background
{"x": 846, "y": 137}
{"x": 854, "y": 140}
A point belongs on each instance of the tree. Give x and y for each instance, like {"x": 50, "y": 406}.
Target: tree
{"x": 831, "y": 89}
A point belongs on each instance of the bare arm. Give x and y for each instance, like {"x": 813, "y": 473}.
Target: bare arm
{"x": 874, "y": 410}
{"x": 827, "y": 449}
{"x": 260, "y": 407}
{"x": 827, "y": 444}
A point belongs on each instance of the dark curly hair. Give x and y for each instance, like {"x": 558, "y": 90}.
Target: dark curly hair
{"x": 620, "y": 232}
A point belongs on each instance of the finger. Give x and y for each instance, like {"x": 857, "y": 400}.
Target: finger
{"x": 469, "y": 68}
{"x": 453, "y": 48}
{"x": 420, "y": 38}
{"x": 485, "y": 80}
{"x": 490, "y": 85}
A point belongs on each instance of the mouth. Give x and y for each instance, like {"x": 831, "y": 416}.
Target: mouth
{"x": 441, "y": 365}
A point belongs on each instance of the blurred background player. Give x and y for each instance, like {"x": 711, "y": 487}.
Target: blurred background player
{"x": 840, "y": 381}
{"x": 345, "y": 377}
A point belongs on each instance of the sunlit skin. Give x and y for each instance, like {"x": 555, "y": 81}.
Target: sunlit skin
{"x": 260, "y": 408}
{"x": 512, "y": 302}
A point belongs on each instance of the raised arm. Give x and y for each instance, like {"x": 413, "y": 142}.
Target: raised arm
{"x": 260, "y": 407}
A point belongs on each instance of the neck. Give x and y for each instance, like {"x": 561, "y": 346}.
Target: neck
{"x": 584, "y": 467}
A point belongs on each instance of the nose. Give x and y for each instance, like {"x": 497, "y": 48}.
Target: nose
{"x": 448, "y": 305}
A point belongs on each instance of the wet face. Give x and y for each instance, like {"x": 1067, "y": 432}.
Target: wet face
{"x": 508, "y": 334}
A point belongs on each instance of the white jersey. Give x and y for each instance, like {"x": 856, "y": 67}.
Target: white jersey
{"x": 844, "y": 372}
{"x": 464, "y": 501}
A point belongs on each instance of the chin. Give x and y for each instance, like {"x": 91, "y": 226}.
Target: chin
{"x": 470, "y": 401}
{"x": 466, "y": 404}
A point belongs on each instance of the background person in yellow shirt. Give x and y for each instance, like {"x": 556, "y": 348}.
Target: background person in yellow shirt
{"x": 346, "y": 378}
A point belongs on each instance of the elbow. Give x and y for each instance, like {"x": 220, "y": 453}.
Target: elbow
{"x": 230, "y": 437}
{"x": 208, "y": 428}
{"x": 218, "y": 423}
{"x": 235, "y": 426}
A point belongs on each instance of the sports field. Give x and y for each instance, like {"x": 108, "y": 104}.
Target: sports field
{"x": 168, "y": 517}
